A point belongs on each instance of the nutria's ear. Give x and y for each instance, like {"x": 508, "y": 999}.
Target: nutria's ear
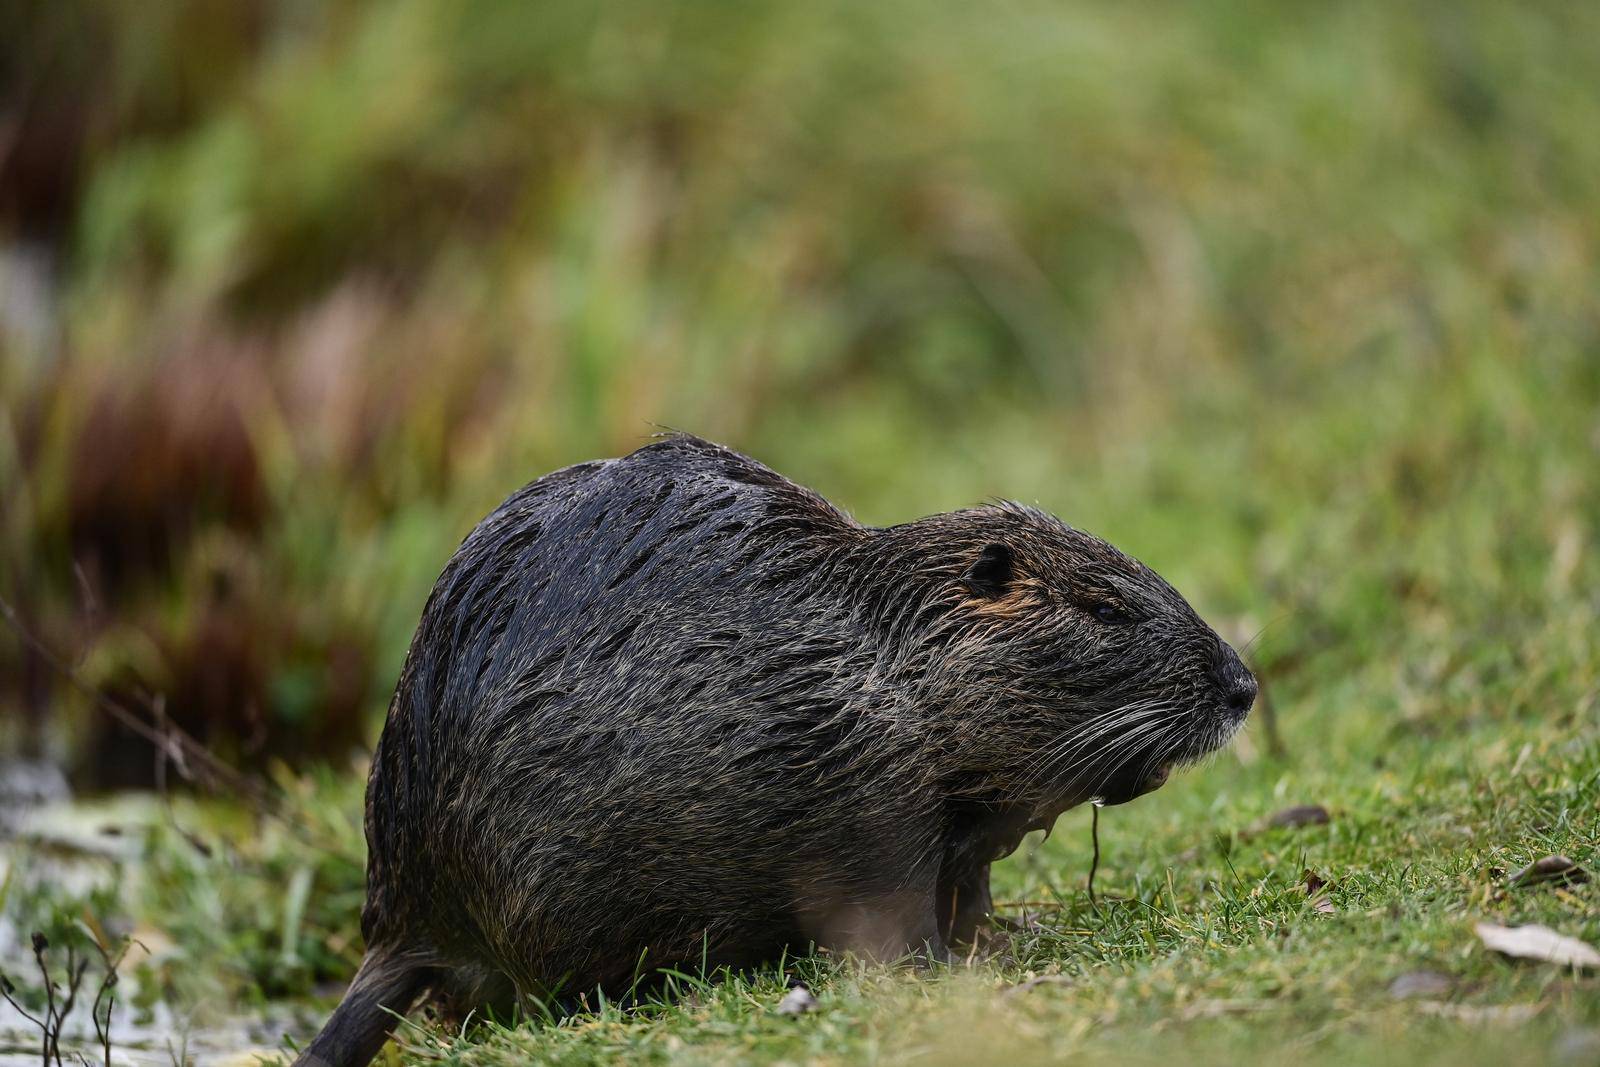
{"x": 990, "y": 574}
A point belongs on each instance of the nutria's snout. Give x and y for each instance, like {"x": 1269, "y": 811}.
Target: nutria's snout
{"x": 1219, "y": 708}
{"x": 1237, "y": 684}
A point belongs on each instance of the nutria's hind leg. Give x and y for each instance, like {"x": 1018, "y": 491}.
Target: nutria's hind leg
{"x": 472, "y": 990}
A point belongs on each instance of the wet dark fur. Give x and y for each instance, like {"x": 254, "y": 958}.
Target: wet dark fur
{"x": 673, "y": 709}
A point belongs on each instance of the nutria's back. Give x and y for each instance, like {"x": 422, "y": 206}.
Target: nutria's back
{"x": 611, "y": 650}
{"x": 673, "y": 709}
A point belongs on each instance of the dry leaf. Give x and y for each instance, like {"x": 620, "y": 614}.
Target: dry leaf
{"x": 1535, "y": 942}
{"x": 1298, "y": 816}
{"x": 798, "y": 1001}
{"x": 1556, "y": 870}
{"x": 1314, "y": 885}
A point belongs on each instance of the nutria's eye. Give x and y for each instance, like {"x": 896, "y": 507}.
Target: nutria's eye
{"x": 1111, "y": 614}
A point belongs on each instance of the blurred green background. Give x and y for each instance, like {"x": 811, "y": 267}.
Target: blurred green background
{"x": 1295, "y": 302}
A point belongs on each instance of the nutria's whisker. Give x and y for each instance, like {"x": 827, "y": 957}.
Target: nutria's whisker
{"x": 1130, "y": 731}
{"x": 1075, "y": 742}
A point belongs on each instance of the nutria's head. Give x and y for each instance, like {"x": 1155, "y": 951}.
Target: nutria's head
{"x": 1067, "y": 670}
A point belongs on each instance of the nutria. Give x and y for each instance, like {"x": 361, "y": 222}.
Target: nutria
{"x": 675, "y": 710}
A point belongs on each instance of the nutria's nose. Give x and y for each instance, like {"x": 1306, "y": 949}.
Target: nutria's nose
{"x": 1238, "y": 684}
{"x": 1242, "y": 693}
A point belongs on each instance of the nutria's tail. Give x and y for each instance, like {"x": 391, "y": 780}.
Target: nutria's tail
{"x": 386, "y": 985}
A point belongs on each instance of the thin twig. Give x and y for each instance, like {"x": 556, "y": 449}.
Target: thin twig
{"x": 1094, "y": 864}
{"x": 107, "y": 991}
{"x": 56, "y": 1013}
{"x": 75, "y": 969}
{"x": 5, "y": 992}
{"x": 1269, "y": 721}
{"x": 40, "y": 945}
